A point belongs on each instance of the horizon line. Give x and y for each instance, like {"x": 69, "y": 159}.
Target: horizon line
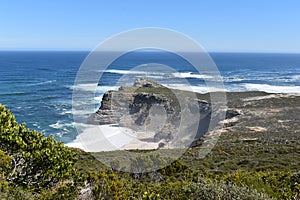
{"x": 86, "y": 50}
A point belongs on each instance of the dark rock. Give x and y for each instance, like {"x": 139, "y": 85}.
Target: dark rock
{"x": 144, "y": 82}
{"x": 150, "y": 106}
{"x": 231, "y": 114}
{"x": 161, "y": 145}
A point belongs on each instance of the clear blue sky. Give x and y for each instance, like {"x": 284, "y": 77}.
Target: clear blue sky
{"x": 219, "y": 25}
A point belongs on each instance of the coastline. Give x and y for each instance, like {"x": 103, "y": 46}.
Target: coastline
{"x": 113, "y": 137}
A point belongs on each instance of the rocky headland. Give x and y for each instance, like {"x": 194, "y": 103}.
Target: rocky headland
{"x": 163, "y": 114}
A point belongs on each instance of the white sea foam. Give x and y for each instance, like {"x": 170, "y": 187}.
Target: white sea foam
{"x": 190, "y": 75}
{"x": 61, "y": 125}
{"x": 103, "y": 89}
{"x": 155, "y": 76}
{"x": 92, "y": 87}
{"x": 272, "y": 88}
{"x": 80, "y": 112}
{"x": 296, "y": 77}
{"x": 42, "y": 83}
{"x": 233, "y": 79}
{"x": 35, "y": 124}
{"x": 98, "y": 99}
{"x": 65, "y": 112}
{"x": 199, "y": 89}
{"x": 118, "y": 71}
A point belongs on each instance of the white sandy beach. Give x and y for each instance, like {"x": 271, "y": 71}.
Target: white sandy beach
{"x": 109, "y": 138}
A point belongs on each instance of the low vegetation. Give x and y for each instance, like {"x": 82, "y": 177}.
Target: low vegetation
{"x": 268, "y": 167}
{"x": 31, "y": 163}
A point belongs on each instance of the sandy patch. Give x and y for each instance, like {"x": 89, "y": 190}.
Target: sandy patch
{"x": 270, "y": 96}
{"x": 111, "y": 138}
{"x": 257, "y": 129}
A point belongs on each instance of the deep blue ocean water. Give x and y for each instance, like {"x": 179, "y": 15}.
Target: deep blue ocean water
{"x": 38, "y": 86}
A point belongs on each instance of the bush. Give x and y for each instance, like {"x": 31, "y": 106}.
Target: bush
{"x": 36, "y": 161}
{"x": 223, "y": 191}
{"x": 16, "y": 193}
{"x": 110, "y": 185}
{"x": 278, "y": 184}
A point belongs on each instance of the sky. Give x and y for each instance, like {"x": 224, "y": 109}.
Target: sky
{"x": 218, "y": 25}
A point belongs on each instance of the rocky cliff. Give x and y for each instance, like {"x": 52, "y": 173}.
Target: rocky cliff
{"x": 151, "y": 107}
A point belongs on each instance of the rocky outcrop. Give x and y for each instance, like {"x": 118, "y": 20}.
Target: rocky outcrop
{"x": 145, "y": 82}
{"x": 151, "y": 107}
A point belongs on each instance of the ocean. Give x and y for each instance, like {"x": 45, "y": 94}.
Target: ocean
{"x": 38, "y": 86}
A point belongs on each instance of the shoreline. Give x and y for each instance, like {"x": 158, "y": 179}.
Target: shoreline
{"x": 113, "y": 137}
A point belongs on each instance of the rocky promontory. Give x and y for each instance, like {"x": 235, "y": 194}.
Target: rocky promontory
{"x": 164, "y": 113}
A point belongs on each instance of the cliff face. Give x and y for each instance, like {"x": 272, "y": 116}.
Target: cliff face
{"x": 151, "y": 107}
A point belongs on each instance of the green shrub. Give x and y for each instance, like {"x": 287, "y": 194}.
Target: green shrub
{"x": 278, "y": 184}
{"x": 222, "y": 191}
{"x": 36, "y": 161}
{"x": 12, "y": 192}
